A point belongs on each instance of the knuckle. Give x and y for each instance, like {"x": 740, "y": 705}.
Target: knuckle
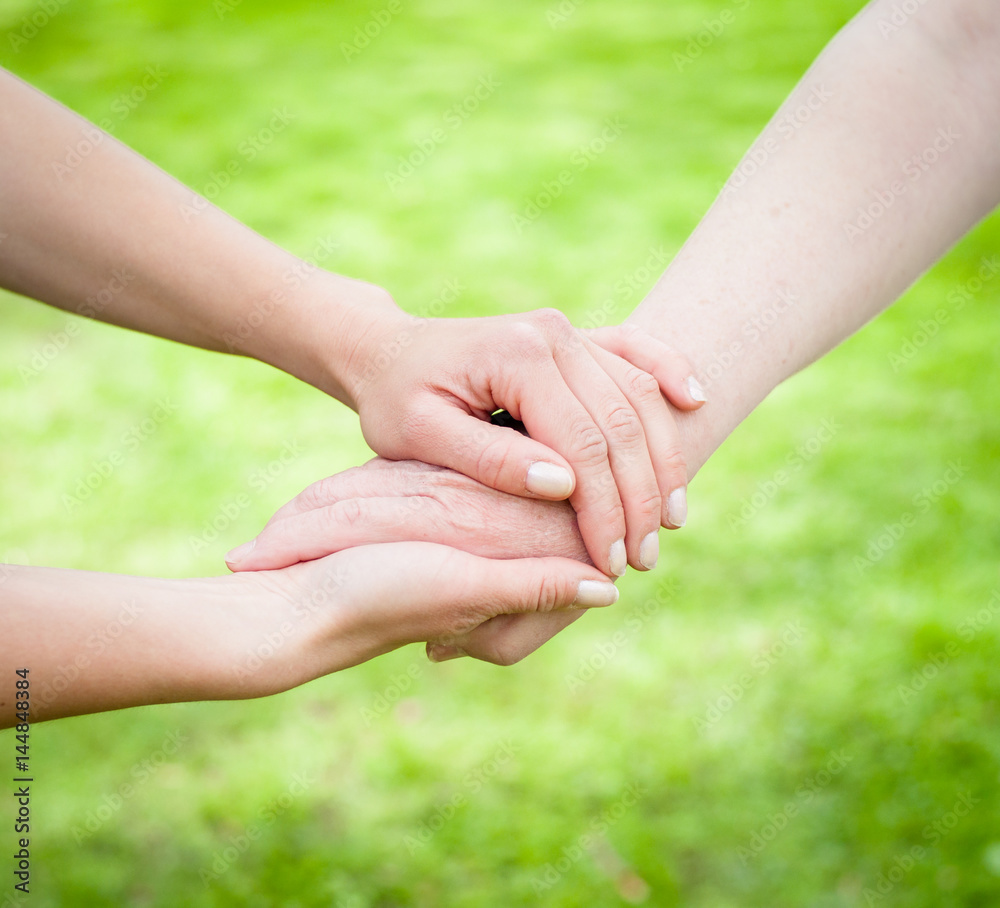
{"x": 642, "y": 386}
{"x": 550, "y": 319}
{"x": 649, "y": 503}
{"x": 493, "y": 461}
{"x": 528, "y": 340}
{"x": 590, "y": 445}
{"x": 349, "y": 513}
{"x": 673, "y": 461}
{"x": 623, "y": 423}
{"x": 550, "y": 594}
{"x": 320, "y": 493}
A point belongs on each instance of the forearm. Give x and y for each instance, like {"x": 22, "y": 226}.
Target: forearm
{"x": 93, "y": 642}
{"x": 884, "y": 155}
{"x": 103, "y": 232}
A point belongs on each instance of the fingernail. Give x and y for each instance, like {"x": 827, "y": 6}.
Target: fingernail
{"x": 677, "y": 507}
{"x": 437, "y": 653}
{"x": 618, "y": 560}
{"x": 595, "y": 593}
{"x": 695, "y": 390}
{"x": 241, "y": 552}
{"x": 549, "y": 480}
{"x": 649, "y": 550}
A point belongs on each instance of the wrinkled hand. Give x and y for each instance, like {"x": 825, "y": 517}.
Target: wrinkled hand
{"x": 385, "y": 501}
{"x": 599, "y": 430}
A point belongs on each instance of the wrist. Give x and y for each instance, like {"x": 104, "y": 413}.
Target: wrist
{"x": 334, "y": 329}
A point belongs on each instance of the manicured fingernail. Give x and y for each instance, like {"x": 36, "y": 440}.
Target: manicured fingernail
{"x": 695, "y": 390}
{"x": 595, "y": 593}
{"x": 618, "y": 559}
{"x": 437, "y": 653}
{"x": 240, "y": 552}
{"x": 549, "y": 480}
{"x": 677, "y": 507}
{"x": 649, "y": 551}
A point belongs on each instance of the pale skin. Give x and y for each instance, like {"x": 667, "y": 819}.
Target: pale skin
{"x": 776, "y": 235}
{"x": 890, "y": 96}
{"x": 78, "y": 208}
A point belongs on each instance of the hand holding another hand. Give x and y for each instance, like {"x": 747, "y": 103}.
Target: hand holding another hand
{"x": 599, "y": 430}
{"x": 392, "y": 502}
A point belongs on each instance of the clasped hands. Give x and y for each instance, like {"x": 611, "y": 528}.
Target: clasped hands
{"x": 471, "y": 537}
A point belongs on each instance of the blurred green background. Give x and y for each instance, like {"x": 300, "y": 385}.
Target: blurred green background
{"x": 766, "y": 664}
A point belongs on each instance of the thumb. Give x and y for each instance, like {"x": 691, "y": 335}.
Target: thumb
{"x": 539, "y": 587}
{"x": 497, "y": 456}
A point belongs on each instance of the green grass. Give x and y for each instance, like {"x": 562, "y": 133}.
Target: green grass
{"x": 773, "y": 655}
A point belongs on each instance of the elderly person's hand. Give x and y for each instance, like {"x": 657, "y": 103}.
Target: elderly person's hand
{"x": 386, "y": 501}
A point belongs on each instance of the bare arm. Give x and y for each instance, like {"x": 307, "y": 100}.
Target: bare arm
{"x": 91, "y": 642}
{"x": 884, "y": 155}
{"x": 92, "y": 227}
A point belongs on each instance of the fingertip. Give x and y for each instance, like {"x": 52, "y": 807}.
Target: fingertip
{"x": 595, "y": 594}
{"x": 549, "y": 480}
{"x": 237, "y": 559}
{"x": 677, "y": 509}
{"x": 441, "y": 653}
{"x": 695, "y": 391}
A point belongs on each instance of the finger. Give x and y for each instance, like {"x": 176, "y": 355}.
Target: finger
{"x": 632, "y": 474}
{"x": 378, "y": 478}
{"x": 671, "y": 370}
{"x": 505, "y": 639}
{"x": 496, "y": 456}
{"x": 321, "y": 531}
{"x": 559, "y": 418}
{"x": 523, "y": 602}
{"x": 663, "y": 444}
{"x": 439, "y": 593}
